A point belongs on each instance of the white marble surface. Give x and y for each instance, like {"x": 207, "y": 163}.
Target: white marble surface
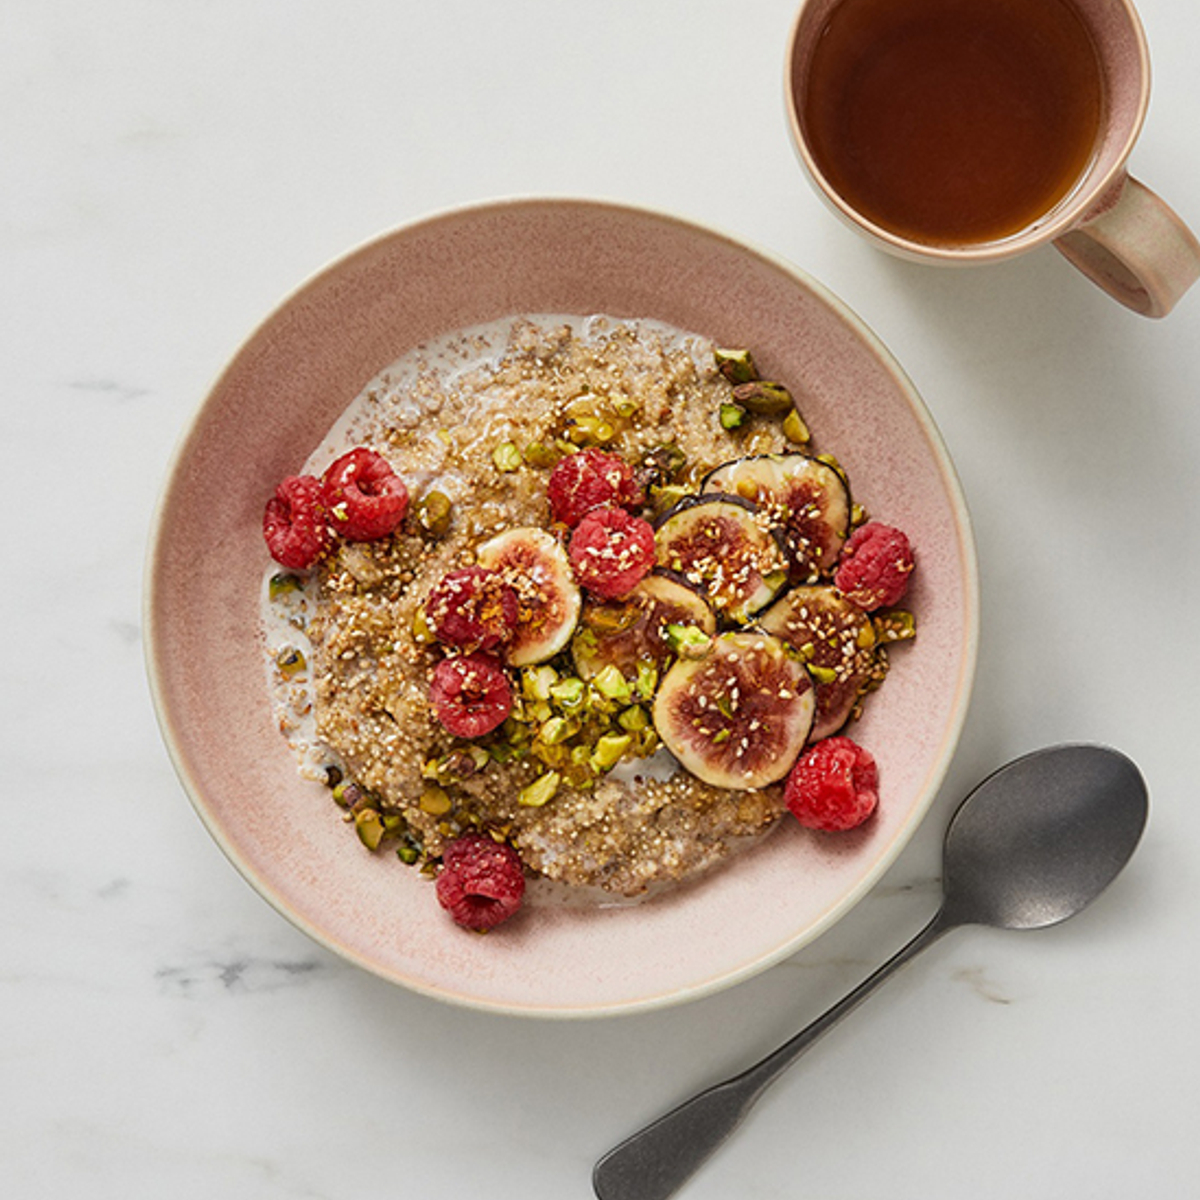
{"x": 170, "y": 171}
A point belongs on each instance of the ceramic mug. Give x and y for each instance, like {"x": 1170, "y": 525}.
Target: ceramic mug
{"x": 1118, "y": 232}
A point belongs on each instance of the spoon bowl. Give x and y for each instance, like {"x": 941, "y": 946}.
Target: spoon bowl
{"x": 1033, "y": 844}
{"x": 1039, "y": 839}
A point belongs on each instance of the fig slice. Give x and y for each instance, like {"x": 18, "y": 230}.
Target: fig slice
{"x": 727, "y": 548}
{"x": 633, "y": 630}
{"x": 739, "y": 716}
{"x": 807, "y": 498}
{"x": 536, "y": 567}
{"x": 836, "y": 639}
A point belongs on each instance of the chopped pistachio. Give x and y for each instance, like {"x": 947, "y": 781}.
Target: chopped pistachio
{"x": 667, "y": 496}
{"x": 858, "y": 515}
{"x": 568, "y": 693}
{"x": 435, "y": 801}
{"x": 609, "y": 749}
{"x": 540, "y": 790}
{"x": 736, "y": 365}
{"x": 731, "y": 416}
{"x": 634, "y": 719}
{"x": 408, "y": 854}
{"x": 867, "y": 636}
{"x": 348, "y": 794}
{"x": 538, "y": 454}
{"x": 506, "y": 456}
{"x": 557, "y": 730}
{"x": 726, "y": 707}
{"x": 433, "y": 512}
{"x": 625, "y": 406}
{"x": 612, "y": 685}
{"x": 291, "y": 662}
{"x": 722, "y": 735}
{"x": 665, "y": 461}
{"x": 894, "y": 625}
{"x": 282, "y": 584}
{"x": 822, "y": 674}
{"x": 765, "y": 399}
{"x": 536, "y": 682}
{"x": 647, "y": 680}
{"x": 369, "y": 827}
{"x": 775, "y": 579}
{"x": 795, "y": 430}
{"x": 422, "y": 631}
{"x": 688, "y": 641}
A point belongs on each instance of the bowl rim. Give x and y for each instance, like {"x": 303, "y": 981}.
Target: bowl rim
{"x": 950, "y": 735}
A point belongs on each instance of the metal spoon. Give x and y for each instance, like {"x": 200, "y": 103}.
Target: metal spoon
{"x": 1032, "y": 845}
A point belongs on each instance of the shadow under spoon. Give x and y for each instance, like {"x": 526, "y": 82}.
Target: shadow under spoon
{"x": 1032, "y": 845}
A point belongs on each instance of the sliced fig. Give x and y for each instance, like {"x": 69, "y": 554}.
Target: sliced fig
{"x": 536, "y": 567}
{"x": 633, "y": 630}
{"x": 837, "y": 641}
{"x": 808, "y": 499}
{"x": 726, "y": 547}
{"x": 739, "y": 716}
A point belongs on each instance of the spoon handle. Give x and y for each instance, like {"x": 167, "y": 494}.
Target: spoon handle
{"x": 657, "y": 1160}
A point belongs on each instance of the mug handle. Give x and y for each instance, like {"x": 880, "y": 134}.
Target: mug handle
{"x": 1136, "y": 248}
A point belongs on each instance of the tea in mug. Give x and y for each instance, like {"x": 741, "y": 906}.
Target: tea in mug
{"x": 952, "y": 121}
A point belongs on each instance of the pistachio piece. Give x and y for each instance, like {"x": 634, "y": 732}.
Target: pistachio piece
{"x": 794, "y": 428}
{"x": 422, "y": 631}
{"x": 536, "y": 682}
{"x": 540, "y": 790}
{"x": 894, "y": 625}
{"x": 765, "y": 399}
{"x": 608, "y": 751}
{"x": 506, "y": 457}
{"x": 435, "y": 800}
{"x": 731, "y": 416}
{"x": 736, "y": 365}
{"x": 538, "y": 454}
{"x": 612, "y": 685}
{"x": 688, "y": 641}
{"x": 408, "y": 854}
{"x": 369, "y": 827}
{"x": 282, "y": 584}
{"x": 568, "y": 693}
{"x": 634, "y": 719}
{"x": 433, "y": 511}
{"x": 291, "y": 662}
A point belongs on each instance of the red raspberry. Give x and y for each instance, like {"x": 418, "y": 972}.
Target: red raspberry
{"x": 611, "y": 551}
{"x": 833, "y": 786}
{"x": 590, "y": 479}
{"x": 472, "y": 609}
{"x": 364, "y": 498}
{"x": 481, "y": 881}
{"x": 294, "y": 523}
{"x": 470, "y": 694}
{"x": 875, "y": 565}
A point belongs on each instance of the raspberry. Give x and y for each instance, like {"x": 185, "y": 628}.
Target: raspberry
{"x": 294, "y": 523}
{"x": 833, "y": 786}
{"x": 875, "y": 565}
{"x": 611, "y": 551}
{"x": 470, "y": 694}
{"x": 472, "y": 609}
{"x": 481, "y": 882}
{"x": 587, "y": 480}
{"x": 364, "y": 498}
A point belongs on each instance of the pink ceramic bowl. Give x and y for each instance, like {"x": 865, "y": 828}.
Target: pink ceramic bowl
{"x": 273, "y": 403}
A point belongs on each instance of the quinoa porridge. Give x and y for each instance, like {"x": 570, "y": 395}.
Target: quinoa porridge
{"x": 643, "y": 664}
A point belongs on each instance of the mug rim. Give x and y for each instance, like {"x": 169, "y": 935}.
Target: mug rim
{"x": 1093, "y": 191}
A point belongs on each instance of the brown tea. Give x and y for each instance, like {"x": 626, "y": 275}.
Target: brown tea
{"x": 952, "y": 121}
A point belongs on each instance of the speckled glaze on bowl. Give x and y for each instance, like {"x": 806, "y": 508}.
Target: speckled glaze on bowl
{"x": 273, "y": 403}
